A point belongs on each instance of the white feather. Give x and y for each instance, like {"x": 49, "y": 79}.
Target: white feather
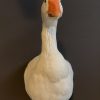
{"x": 49, "y": 76}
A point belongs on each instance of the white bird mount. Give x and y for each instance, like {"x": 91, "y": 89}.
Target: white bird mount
{"x": 49, "y": 76}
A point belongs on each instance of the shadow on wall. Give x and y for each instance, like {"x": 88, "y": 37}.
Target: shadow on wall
{"x": 13, "y": 87}
{"x": 19, "y": 51}
{"x": 72, "y": 98}
{"x": 30, "y": 8}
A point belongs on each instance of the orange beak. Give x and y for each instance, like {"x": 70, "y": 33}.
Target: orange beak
{"x": 53, "y": 8}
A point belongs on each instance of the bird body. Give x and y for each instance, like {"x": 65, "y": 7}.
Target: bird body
{"x": 49, "y": 76}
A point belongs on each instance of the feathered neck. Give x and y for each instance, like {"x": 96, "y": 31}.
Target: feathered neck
{"x": 49, "y": 43}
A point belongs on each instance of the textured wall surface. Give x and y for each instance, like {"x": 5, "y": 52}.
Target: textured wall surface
{"x": 78, "y": 39}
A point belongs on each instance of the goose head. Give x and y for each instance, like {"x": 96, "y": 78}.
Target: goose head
{"x": 51, "y": 11}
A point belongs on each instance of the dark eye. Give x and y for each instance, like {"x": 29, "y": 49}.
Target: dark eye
{"x": 45, "y": 1}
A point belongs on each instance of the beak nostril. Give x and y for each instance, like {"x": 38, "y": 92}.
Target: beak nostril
{"x": 45, "y": 1}
{"x": 50, "y": 15}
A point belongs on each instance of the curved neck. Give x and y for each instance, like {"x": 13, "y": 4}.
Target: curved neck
{"x": 49, "y": 43}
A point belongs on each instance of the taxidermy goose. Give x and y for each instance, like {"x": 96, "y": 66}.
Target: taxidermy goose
{"x": 49, "y": 76}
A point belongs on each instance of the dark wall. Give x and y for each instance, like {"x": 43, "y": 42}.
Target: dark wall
{"x": 78, "y": 40}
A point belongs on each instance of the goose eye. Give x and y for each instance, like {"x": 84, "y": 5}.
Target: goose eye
{"x": 45, "y": 1}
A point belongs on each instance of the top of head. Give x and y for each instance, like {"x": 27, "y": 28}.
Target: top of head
{"x": 51, "y": 10}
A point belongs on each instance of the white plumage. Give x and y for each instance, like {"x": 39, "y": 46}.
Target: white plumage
{"x": 49, "y": 76}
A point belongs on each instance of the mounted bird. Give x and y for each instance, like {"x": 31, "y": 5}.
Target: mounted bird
{"x": 49, "y": 76}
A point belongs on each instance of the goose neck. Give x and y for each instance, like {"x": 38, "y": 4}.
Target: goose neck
{"x": 49, "y": 43}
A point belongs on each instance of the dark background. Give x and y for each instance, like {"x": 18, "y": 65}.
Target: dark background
{"x": 78, "y": 40}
